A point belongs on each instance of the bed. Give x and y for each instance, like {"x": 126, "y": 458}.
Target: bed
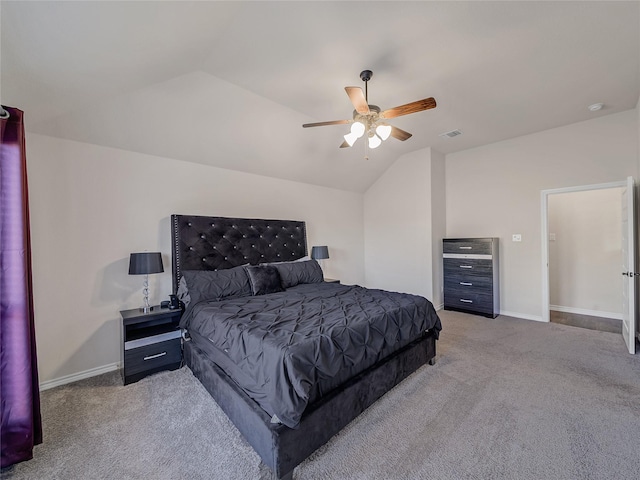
{"x": 289, "y": 366}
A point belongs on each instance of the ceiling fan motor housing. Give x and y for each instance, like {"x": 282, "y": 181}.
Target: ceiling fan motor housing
{"x": 366, "y": 75}
{"x": 369, "y": 120}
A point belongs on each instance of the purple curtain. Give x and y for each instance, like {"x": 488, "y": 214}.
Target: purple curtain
{"x": 21, "y": 427}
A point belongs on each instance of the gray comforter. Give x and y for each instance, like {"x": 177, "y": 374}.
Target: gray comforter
{"x": 288, "y": 349}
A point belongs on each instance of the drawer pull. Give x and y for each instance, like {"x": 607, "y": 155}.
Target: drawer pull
{"x": 157, "y": 355}
{"x": 465, "y": 248}
{"x": 466, "y": 301}
{"x": 466, "y": 266}
{"x": 468, "y": 284}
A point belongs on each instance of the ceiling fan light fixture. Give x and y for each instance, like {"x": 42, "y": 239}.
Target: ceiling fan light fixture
{"x": 370, "y": 120}
{"x": 383, "y": 131}
{"x": 374, "y": 141}
{"x": 357, "y": 128}
{"x": 351, "y": 138}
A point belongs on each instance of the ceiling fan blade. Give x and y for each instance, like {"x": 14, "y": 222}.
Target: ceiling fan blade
{"x": 356, "y": 95}
{"x": 412, "y": 107}
{"x": 345, "y": 145}
{"x": 400, "y": 134}
{"x": 322, "y": 124}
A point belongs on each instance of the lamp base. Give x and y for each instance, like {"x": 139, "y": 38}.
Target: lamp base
{"x": 146, "y": 309}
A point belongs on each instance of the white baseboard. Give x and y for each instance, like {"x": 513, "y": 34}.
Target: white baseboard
{"x": 524, "y": 316}
{"x": 74, "y": 377}
{"x": 439, "y": 307}
{"x": 583, "y": 311}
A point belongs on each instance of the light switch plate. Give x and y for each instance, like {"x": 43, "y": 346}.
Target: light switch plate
{"x": 516, "y": 237}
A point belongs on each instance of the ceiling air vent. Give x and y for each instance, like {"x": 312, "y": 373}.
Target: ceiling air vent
{"x": 451, "y": 134}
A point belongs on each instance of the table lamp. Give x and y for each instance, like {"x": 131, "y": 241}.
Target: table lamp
{"x": 320, "y": 253}
{"x": 145, "y": 263}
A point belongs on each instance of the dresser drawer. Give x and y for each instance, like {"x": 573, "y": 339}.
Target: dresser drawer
{"x": 469, "y": 246}
{"x": 461, "y": 284}
{"x": 477, "y": 302}
{"x": 467, "y": 266}
{"x": 142, "y": 359}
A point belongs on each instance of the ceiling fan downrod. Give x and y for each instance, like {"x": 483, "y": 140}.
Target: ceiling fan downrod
{"x": 365, "y": 76}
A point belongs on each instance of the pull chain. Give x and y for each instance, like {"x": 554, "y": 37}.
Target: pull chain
{"x": 366, "y": 97}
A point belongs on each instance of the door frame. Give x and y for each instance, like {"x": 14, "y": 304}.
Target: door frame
{"x": 544, "y": 195}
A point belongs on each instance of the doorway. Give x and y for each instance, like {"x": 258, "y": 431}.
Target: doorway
{"x": 585, "y": 252}
{"x": 583, "y": 234}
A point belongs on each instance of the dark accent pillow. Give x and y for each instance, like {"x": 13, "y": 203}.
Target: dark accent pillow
{"x": 183, "y": 291}
{"x": 264, "y": 279}
{"x": 202, "y": 285}
{"x": 294, "y": 273}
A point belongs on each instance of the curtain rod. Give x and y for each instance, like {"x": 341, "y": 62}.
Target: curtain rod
{"x": 3, "y": 112}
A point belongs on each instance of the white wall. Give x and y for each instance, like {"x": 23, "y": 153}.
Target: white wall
{"x": 585, "y": 252}
{"x": 91, "y": 206}
{"x": 400, "y": 237}
{"x": 438, "y": 224}
{"x": 494, "y": 191}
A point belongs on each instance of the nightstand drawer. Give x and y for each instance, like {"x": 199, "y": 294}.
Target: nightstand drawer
{"x": 152, "y": 340}
{"x": 152, "y": 356}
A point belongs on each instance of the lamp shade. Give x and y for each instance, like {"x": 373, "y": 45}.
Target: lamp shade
{"x": 383, "y": 131}
{"x": 351, "y": 138}
{"x": 374, "y": 141}
{"x": 320, "y": 252}
{"x": 357, "y": 128}
{"x": 145, "y": 263}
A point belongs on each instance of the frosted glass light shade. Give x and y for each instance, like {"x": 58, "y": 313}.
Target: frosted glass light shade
{"x": 383, "y": 131}
{"x": 351, "y": 138}
{"x": 357, "y": 128}
{"x": 374, "y": 141}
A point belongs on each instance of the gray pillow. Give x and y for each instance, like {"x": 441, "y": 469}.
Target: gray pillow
{"x": 264, "y": 279}
{"x": 202, "y": 285}
{"x": 294, "y": 273}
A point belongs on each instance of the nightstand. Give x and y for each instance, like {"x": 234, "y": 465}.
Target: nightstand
{"x": 331, "y": 280}
{"x": 150, "y": 342}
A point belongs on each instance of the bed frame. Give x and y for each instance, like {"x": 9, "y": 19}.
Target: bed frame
{"x": 211, "y": 243}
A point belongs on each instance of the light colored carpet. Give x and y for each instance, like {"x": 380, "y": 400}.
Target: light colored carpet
{"x": 507, "y": 399}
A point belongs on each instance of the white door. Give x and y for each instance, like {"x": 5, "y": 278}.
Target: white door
{"x": 628, "y": 267}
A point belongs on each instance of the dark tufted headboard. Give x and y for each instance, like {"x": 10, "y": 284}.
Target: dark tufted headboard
{"x": 214, "y": 243}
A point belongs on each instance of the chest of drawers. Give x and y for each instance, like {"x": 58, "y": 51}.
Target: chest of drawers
{"x": 471, "y": 275}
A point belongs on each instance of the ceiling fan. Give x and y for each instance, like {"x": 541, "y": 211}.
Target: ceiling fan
{"x": 369, "y": 120}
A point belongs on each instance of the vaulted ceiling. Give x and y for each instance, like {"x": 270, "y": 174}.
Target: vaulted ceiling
{"x": 229, "y": 84}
